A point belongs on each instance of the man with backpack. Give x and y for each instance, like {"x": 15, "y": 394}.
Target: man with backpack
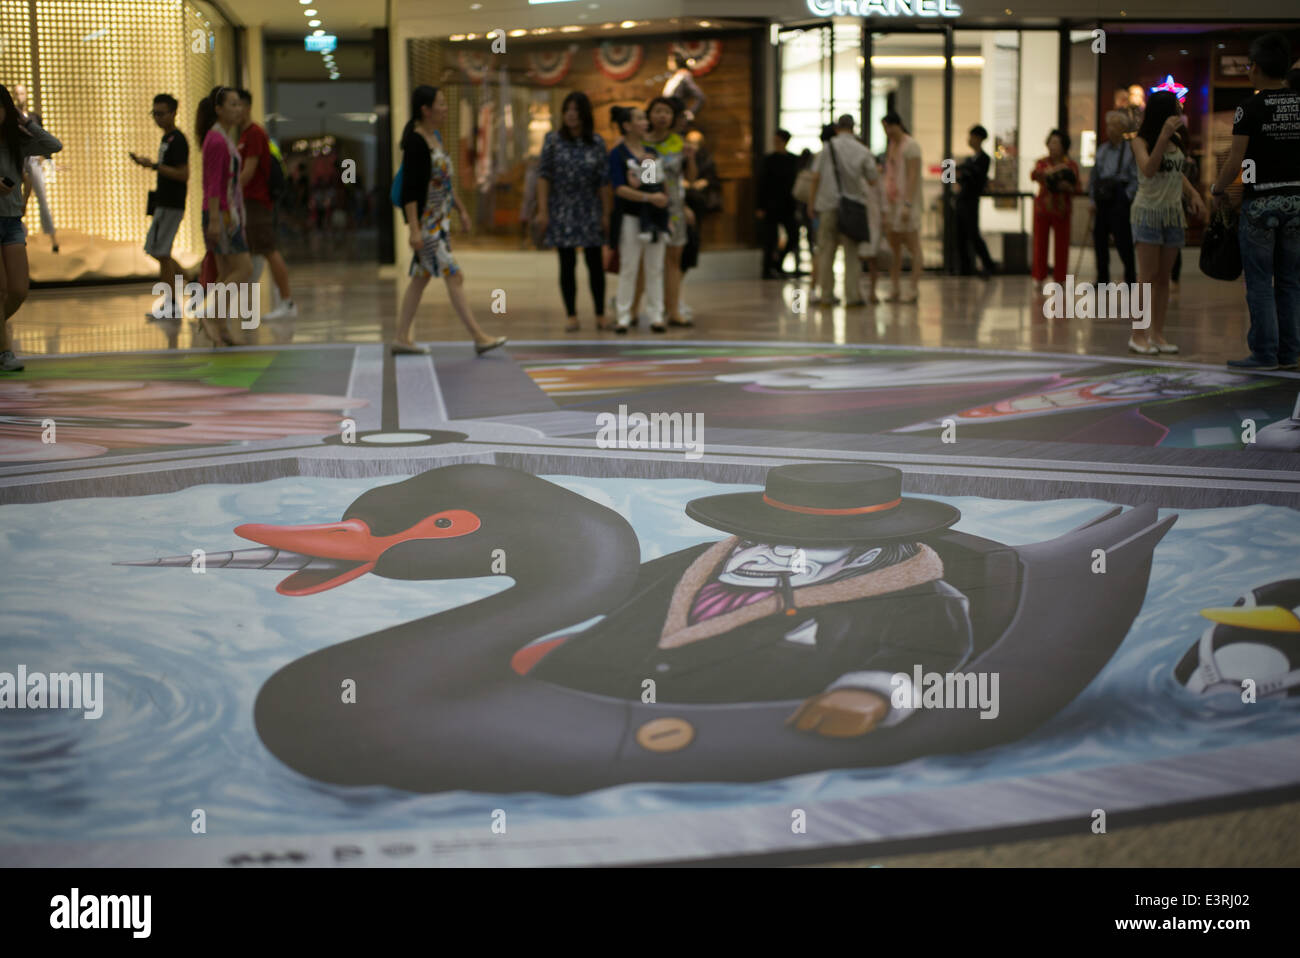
{"x": 262, "y": 179}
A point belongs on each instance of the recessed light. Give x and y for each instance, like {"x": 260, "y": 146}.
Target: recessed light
{"x": 304, "y": 2}
{"x": 518, "y": 33}
{"x": 456, "y": 37}
{"x": 318, "y": 33}
{"x": 476, "y": 6}
{"x": 471, "y": 36}
{"x": 309, "y": 12}
{"x": 570, "y": 29}
{"x": 628, "y": 24}
{"x": 608, "y": 26}
{"x": 705, "y": 23}
{"x": 313, "y": 23}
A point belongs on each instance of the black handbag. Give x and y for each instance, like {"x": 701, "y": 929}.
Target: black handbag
{"x": 1109, "y": 189}
{"x": 1220, "y": 254}
{"x": 850, "y": 215}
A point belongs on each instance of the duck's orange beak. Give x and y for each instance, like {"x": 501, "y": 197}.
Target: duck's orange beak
{"x": 348, "y": 547}
{"x": 350, "y": 543}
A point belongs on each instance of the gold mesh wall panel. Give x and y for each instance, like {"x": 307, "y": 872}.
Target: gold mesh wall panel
{"x": 99, "y": 64}
{"x": 15, "y": 46}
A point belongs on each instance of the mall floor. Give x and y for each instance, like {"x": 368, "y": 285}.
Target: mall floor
{"x": 356, "y": 302}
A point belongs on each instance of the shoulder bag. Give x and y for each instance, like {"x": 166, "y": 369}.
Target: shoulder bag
{"x": 1220, "y": 254}
{"x": 851, "y": 215}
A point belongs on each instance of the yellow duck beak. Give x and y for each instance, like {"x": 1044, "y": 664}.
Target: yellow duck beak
{"x": 1267, "y": 618}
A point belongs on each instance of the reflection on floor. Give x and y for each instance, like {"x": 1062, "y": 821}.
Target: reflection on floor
{"x": 352, "y": 303}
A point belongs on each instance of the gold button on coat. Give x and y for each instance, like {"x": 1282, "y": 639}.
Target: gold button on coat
{"x": 665, "y": 734}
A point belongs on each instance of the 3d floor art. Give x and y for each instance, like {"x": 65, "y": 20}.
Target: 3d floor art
{"x": 469, "y": 606}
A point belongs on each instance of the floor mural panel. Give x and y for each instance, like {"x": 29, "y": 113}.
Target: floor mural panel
{"x": 596, "y": 603}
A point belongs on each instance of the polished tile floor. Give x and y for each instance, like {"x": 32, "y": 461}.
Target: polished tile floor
{"x": 357, "y": 302}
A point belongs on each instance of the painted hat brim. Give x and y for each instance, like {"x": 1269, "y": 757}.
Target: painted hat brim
{"x": 746, "y": 514}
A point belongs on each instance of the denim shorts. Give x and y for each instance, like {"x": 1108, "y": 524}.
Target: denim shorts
{"x": 12, "y": 231}
{"x": 1159, "y": 235}
{"x": 231, "y": 241}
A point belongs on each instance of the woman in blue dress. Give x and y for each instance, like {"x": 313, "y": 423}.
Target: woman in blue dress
{"x": 574, "y": 200}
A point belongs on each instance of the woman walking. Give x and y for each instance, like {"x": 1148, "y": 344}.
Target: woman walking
{"x": 640, "y": 209}
{"x": 574, "y": 201}
{"x": 1157, "y": 215}
{"x": 428, "y": 195}
{"x": 20, "y": 138}
{"x": 1058, "y": 180}
{"x": 216, "y": 127}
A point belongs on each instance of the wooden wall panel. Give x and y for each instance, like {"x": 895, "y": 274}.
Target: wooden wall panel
{"x": 726, "y": 119}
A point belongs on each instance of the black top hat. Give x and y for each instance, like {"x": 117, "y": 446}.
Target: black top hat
{"x": 825, "y": 502}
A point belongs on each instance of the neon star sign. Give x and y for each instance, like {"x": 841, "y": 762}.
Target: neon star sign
{"x": 1177, "y": 89}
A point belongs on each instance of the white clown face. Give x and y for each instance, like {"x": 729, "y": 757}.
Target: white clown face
{"x": 761, "y": 566}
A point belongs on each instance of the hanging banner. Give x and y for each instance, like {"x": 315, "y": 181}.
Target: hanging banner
{"x": 474, "y": 65}
{"x": 618, "y": 61}
{"x": 551, "y": 66}
{"x": 704, "y": 53}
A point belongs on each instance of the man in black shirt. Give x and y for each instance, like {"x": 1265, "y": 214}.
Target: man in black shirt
{"x": 1266, "y": 151}
{"x": 972, "y": 178}
{"x": 776, "y": 205}
{"x": 167, "y": 201}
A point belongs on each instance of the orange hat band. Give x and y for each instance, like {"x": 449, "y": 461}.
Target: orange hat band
{"x": 813, "y": 511}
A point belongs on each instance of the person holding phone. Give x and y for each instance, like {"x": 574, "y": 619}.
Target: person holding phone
{"x": 167, "y": 202}
{"x": 20, "y": 138}
{"x": 1156, "y": 216}
{"x": 428, "y": 197}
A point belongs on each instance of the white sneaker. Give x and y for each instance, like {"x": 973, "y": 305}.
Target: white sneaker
{"x": 685, "y": 311}
{"x": 9, "y": 362}
{"x": 286, "y": 310}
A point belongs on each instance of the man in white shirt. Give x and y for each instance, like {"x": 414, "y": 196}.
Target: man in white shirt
{"x": 857, "y": 168}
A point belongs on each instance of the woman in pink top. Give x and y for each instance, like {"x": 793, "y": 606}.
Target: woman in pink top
{"x": 223, "y": 202}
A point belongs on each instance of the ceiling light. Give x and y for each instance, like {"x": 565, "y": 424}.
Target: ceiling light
{"x": 304, "y": 2}
{"x": 608, "y": 26}
{"x": 517, "y": 33}
{"x": 309, "y": 12}
{"x": 627, "y": 24}
{"x": 318, "y": 33}
{"x": 313, "y": 23}
{"x": 570, "y": 29}
{"x": 456, "y": 37}
{"x": 705, "y": 23}
{"x": 476, "y": 6}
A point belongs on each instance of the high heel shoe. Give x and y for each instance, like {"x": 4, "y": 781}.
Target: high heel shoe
{"x": 1147, "y": 350}
{"x": 499, "y": 341}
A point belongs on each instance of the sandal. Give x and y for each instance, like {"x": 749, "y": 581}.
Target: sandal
{"x": 601, "y": 324}
{"x": 480, "y": 350}
{"x": 572, "y": 326}
{"x": 680, "y": 322}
